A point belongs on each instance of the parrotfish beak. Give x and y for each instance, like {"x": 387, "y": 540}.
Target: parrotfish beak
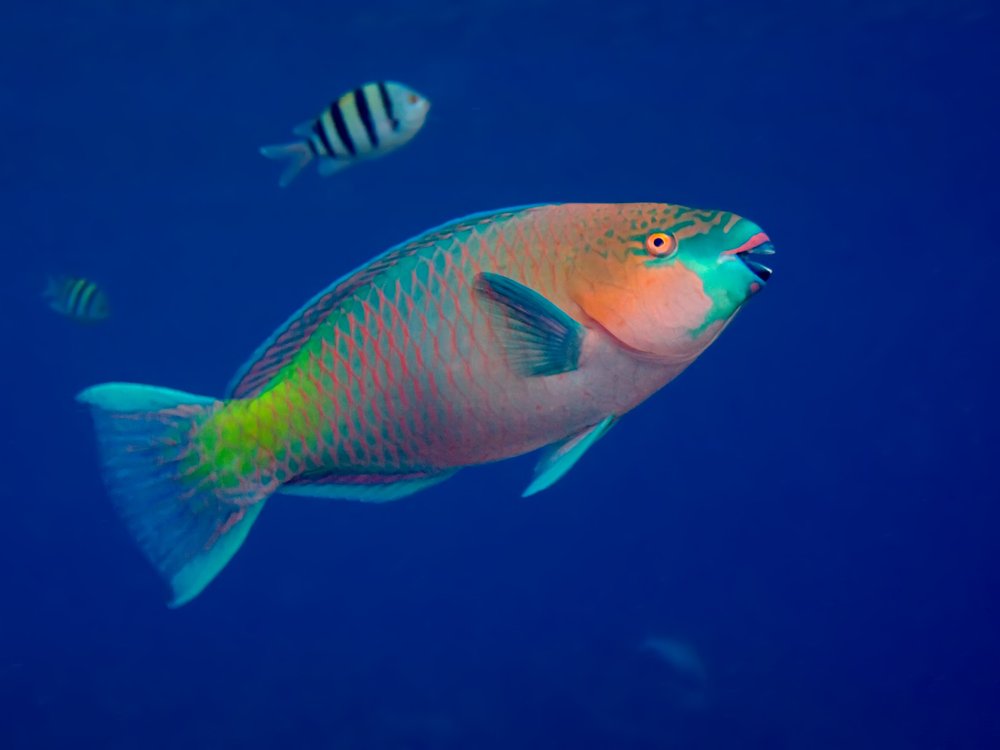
{"x": 752, "y": 252}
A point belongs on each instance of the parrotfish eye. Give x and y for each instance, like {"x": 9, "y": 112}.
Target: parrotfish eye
{"x": 661, "y": 244}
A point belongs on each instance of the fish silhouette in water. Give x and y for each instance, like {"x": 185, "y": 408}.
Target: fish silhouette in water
{"x": 77, "y": 298}
{"x": 480, "y": 340}
{"x": 685, "y": 675}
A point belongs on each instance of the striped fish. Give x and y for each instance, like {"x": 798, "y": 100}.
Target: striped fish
{"x": 369, "y": 121}
{"x": 76, "y": 298}
{"x": 482, "y": 339}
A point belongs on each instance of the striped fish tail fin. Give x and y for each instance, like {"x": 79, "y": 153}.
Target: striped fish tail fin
{"x": 188, "y": 500}
{"x": 54, "y": 293}
{"x": 53, "y": 285}
{"x": 298, "y": 155}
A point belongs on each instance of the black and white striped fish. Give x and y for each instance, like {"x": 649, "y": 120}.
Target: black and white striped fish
{"x": 77, "y": 298}
{"x": 369, "y": 121}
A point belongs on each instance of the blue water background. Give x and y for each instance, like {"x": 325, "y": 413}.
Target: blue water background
{"x": 812, "y": 506}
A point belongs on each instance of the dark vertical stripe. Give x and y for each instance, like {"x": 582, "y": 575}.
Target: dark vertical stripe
{"x": 361, "y": 102}
{"x": 319, "y": 130}
{"x": 387, "y": 104}
{"x": 342, "y": 131}
{"x": 85, "y": 305}
{"x": 74, "y": 294}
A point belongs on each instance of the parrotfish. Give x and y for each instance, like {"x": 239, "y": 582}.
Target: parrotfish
{"x": 501, "y": 333}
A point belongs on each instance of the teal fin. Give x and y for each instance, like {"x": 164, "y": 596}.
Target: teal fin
{"x": 328, "y": 166}
{"x": 540, "y": 339}
{"x": 369, "y": 489}
{"x": 187, "y": 527}
{"x": 52, "y": 286}
{"x": 297, "y": 154}
{"x": 305, "y": 129}
{"x": 560, "y": 457}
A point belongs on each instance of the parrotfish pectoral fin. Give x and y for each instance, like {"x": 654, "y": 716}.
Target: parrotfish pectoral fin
{"x": 539, "y": 338}
{"x": 298, "y": 155}
{"x": 373, "y": 488}
{"x": 186, "y": 524}
{"x": 560, "y": 458}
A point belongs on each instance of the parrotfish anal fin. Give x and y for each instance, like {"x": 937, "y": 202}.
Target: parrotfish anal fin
{"x": 371, "y": 488}
{"x": 559, "y": 458}
{"x": 539, "y": 338}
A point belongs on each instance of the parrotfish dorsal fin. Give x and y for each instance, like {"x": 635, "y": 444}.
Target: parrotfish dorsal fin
{"x": 539, "y": 338}
{"x": 285, "y": 343}
{"x": 276, "y": 352}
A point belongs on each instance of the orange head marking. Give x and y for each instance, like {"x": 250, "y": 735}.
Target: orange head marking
{"x": 664, "y": 279}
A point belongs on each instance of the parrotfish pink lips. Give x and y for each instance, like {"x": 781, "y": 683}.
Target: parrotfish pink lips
{"x": 752, "y": 251}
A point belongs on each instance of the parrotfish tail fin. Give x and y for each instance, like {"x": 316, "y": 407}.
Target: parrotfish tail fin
{"x": 188, "y": 515}
{"x": 298, "y": 155}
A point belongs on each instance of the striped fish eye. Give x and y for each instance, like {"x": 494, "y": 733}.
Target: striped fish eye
{"x": 412, "y": 98}
{"x": 661, "y": 244}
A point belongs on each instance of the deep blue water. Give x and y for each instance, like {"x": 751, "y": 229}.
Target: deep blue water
{"x": 812, "y": 506}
